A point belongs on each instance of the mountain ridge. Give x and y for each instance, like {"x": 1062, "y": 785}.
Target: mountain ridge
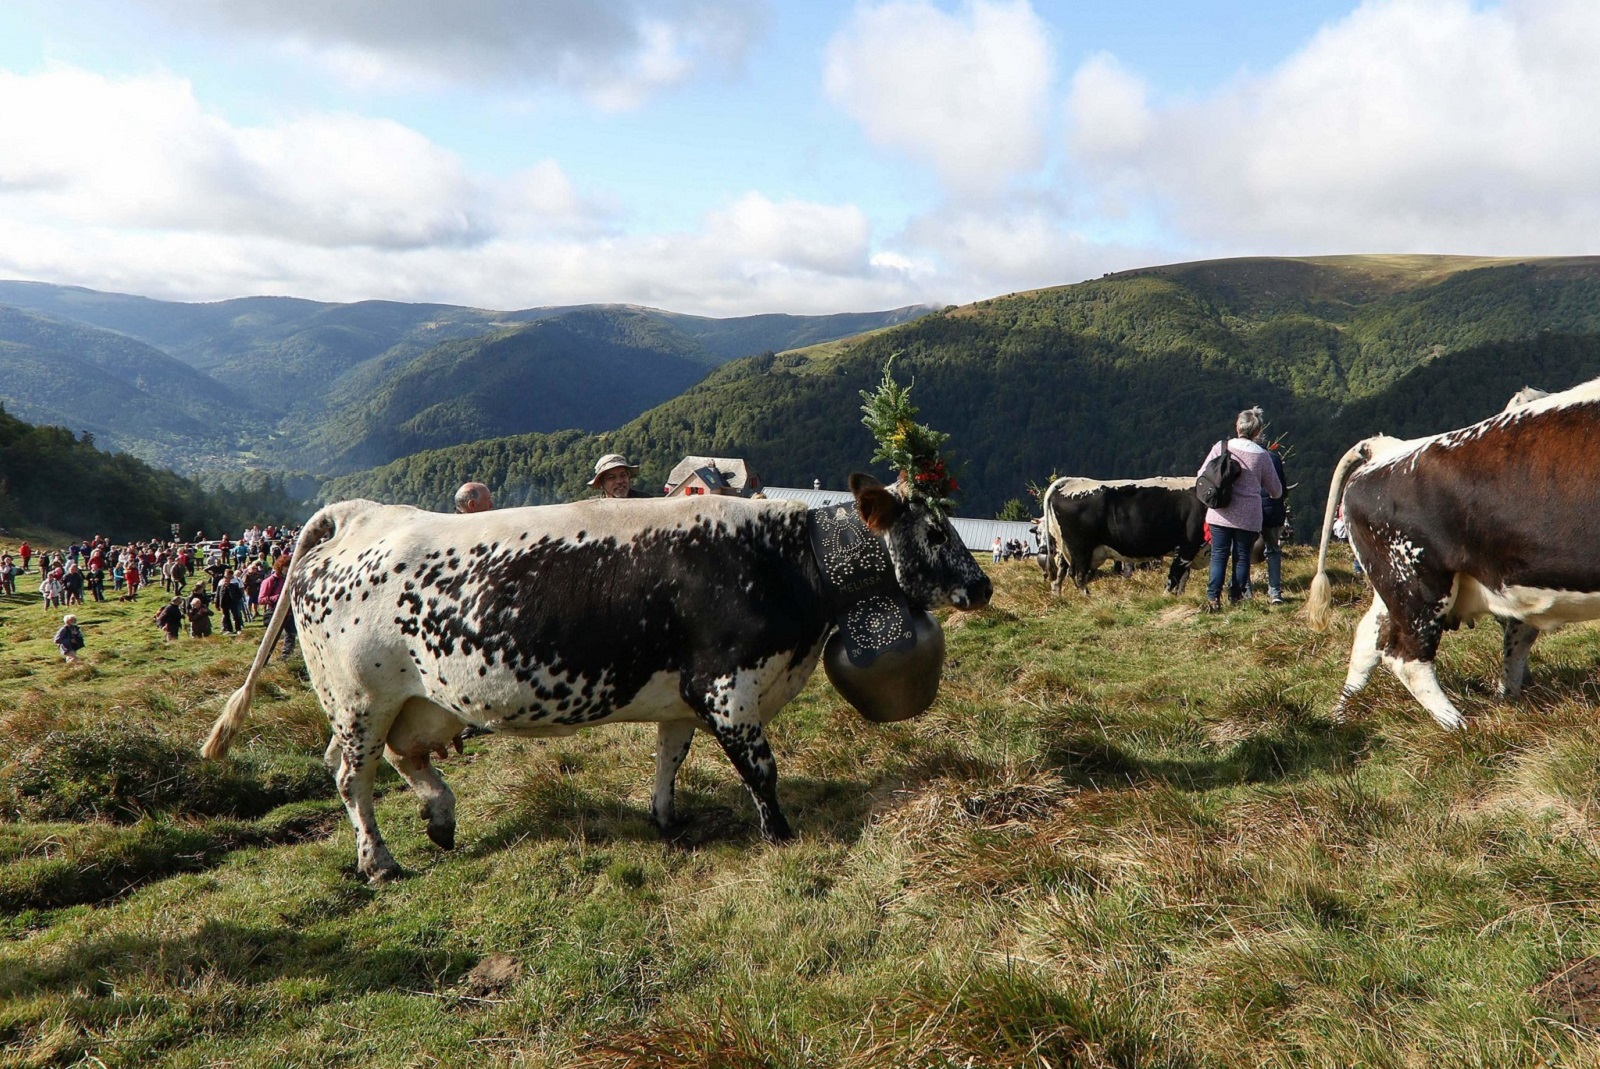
{"x": 1128, "y": 375}
{"x": 301, "y": 372}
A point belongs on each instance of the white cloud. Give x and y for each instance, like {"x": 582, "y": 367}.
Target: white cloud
{"x": 1410, "y": 125}
{"x": 1108, "y": 108}
{"x": 141, "y": 153}
{"x": 131, "y": 185}
{"x": 815, "y": 237}
{"x": 967, "y": 94}
{"x": 1028, "y": 245}
{"x": 617, "y": 52}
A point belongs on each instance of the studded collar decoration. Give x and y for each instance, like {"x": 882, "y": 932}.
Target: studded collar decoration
{"x": 858, "y": 582}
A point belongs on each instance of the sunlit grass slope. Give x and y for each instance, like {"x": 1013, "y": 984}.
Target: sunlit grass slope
{"x": 1125, "y": 836}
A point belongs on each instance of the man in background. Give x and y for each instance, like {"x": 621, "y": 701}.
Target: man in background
{"x": 473, "y": 497}
{"x": 613, "y": 477}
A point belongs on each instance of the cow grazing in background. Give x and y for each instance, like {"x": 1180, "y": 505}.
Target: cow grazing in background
{"x": 1087, "y": 521}
{"x": 1524, "y": 397}
{"x": 703, "y": 612}
{"x": 1500, "y": 518}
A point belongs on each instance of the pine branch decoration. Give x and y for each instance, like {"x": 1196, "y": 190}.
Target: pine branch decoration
{"x": 913, "y": 449}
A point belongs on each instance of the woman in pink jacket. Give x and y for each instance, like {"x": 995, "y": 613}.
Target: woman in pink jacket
{"x": 1235, "y": 526}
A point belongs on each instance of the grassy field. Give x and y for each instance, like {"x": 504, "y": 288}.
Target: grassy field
{"x": 1127, "y": 835}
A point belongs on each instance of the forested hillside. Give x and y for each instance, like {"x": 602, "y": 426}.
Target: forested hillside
{"x": 123, "y": 391}
{"x": 279, "y": 382}
{"x": 583, "y": 370}
{"x": 1129, "y": 375}
{"x": 50, "y": 477}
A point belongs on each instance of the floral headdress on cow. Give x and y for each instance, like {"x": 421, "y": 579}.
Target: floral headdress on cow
{"x": 913, "y": 449}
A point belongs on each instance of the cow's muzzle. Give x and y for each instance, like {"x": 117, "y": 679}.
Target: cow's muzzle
{"x": 973, "y": 596}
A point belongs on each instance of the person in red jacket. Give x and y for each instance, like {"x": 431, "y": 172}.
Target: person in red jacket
{"x": 24, "y": 551}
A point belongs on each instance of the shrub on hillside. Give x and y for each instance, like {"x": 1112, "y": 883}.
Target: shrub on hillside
{"x": 123, "y": 774}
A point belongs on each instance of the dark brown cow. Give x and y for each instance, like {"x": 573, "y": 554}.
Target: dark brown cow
{"x": 1499, "y": 518}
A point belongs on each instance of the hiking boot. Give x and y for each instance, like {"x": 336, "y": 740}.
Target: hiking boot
{"x": 1274, "y": 598}
{"x": 1212, "y": 605}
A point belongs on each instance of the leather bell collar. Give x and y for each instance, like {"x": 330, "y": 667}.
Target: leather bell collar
{"x": 858, "y": 582}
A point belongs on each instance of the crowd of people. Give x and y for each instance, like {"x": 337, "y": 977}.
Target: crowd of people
{"x": 200, "y": 580}
{"x": 1014, "y": 549}
{"x": 225, "y": 582}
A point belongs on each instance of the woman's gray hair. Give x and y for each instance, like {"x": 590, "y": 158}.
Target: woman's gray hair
{"x": 1250, "y": 423}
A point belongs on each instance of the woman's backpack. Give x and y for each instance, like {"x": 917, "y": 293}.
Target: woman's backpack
{"x": 1214, "y": 486}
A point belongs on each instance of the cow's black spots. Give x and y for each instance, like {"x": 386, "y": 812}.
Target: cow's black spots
{"x": 723, "y": 614}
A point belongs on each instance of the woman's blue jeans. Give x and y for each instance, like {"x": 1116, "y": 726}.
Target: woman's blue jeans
{"x": 1229, "y": 542}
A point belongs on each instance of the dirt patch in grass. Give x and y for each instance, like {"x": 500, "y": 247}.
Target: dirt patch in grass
{"x": 1572, "y": 991}
{"x": 491, "y": 976}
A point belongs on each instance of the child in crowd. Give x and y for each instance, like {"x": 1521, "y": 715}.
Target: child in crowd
{"x": 69, "y": 640}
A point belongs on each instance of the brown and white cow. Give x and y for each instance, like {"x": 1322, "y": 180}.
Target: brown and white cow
{"x": 703, "y": 613}
{"x": 1500, "y": 518}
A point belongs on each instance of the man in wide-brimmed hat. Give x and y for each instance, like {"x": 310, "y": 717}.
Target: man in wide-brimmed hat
{"x": 613, "y": 476}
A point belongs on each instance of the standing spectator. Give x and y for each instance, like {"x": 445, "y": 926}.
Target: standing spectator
{"x": 997, "y": 551}
{"x": 130, "y": 576}
{"x": 199, "y": 617}
{"x": 1234, "y": 527}
{"x": 51, "y": 590}
{"x": 72, "y": 583}
{"x": 272, "y": 589}
{"x": 230, "y": 599}
{"x": 25, "y": 551}
{"x": 95, "y": 579}
{"x": 253, "y": 576}
{"x": 8, "y": 575}
{"x": 170, "y": 617}
{"x": 69, "y": 640}
{"x": 1274, "y": 514}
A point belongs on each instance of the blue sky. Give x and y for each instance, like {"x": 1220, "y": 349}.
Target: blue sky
{"x": 734, "y": 156}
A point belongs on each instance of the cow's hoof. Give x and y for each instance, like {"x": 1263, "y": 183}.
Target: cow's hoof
{"x": 777, "y": 831}
{"x": 385, "y": 875}
{"x": 443, "y": 835}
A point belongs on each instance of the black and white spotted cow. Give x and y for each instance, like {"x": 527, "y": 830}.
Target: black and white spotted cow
{"x": 1087, "y": 521}
{"x": 694, "y": 613}
{"x": 1500, "y": 518}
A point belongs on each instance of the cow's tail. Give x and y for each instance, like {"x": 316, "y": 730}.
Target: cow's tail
{"x": 1320, "y": 599}
{"x": 1050, "y": 533}
{"x": 317, "y": 530}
